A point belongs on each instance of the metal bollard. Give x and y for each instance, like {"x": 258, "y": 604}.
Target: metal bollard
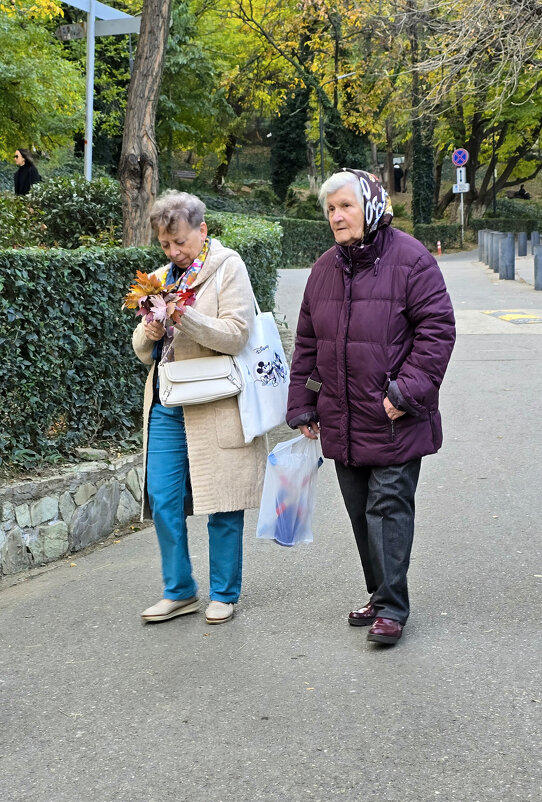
{"x": 497, "y": 236}
{"x": 485, "y": 241}
{"x": 489, "y": 239}
{"x": 481, "y": 245}
{"x": 522, "y": 243}
{"x": 535, "y": 240}
{"x": 538, "y": 268}
{"x": 489, "y": 251}
{"x": 507, "y": 257}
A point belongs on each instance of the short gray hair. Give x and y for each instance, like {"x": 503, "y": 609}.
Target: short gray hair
{"x": 336, "y": 182}
{"x": 173, "y": 207}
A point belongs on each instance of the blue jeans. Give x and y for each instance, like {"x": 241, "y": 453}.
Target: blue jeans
{"x": 380, "y": 503}
{"x": 168, "y": 484}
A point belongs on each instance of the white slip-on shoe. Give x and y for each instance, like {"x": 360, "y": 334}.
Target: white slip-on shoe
{"x": 169, "y": 608}
{"x": 218, "y": 612}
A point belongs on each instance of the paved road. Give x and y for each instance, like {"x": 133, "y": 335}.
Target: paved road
{"x": 287, "y": 703}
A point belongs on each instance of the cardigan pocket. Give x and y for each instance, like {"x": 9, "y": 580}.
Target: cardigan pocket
{"x": 229, "y": 432}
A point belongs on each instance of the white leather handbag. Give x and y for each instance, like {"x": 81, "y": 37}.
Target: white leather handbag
{"x": 198, "y": 381}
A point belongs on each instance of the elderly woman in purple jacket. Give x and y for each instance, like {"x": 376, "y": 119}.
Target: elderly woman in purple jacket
{"x": 375, "y": 333}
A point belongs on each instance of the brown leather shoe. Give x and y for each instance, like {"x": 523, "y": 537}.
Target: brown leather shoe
{"x": 363, "y": 617}
{"x": 385, "y": 630}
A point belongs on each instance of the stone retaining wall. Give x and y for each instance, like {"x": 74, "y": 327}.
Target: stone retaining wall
{"x": 46, "y": 518}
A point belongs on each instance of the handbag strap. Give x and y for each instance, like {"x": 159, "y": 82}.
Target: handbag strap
{"x": 219, "y": 276}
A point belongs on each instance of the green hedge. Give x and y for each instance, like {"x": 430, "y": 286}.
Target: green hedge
{"x": 21, "y": 225}
{"x": 449, "y": 234}
{"x": 67, "y": 371}
{"x": 78, "y": 212}
{"x": 7, "y": 171}
{"x": 303, "y": 241}
{"x": 506, "y": 224}
{"x": 68, "y": 375}
{"x": 259, "y": 243}
{"x": 515, "y": 207}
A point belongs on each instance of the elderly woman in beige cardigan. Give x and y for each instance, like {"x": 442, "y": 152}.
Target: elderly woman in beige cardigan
{"x": 196, "y": 457}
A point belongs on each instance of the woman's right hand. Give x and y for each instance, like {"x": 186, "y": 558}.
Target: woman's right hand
{"x": 153, "y": 331}
{"x": 311, "y": 430}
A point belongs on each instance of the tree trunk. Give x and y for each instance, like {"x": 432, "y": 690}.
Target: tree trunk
{"x": 313, "y": 175}
{"x": 138, "y": 168}
{"x": 439, "y": 161}
{"x": 224, "y": 166}
{"x": 374, "y": 160}
{"x": 390, "y": 178}
{"x": 407, "y": 165}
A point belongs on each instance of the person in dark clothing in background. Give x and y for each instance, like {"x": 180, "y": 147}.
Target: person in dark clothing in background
{"x": 27, "y": 174}
{"x": 397, "y": 176}
{"x": 522, "y": 193}
{"x": 376, "y": 330}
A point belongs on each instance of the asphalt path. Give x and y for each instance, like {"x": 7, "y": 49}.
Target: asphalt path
{"x": 287, "y": 702}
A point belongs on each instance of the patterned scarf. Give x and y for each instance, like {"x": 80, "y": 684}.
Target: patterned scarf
{"x": 377, "y": 207}
{"x": 182, "y": 282}
{"x": 191, "y": 273}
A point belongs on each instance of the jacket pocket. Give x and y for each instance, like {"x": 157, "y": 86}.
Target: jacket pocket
{"x": 229, "y": 432}
{"x": 435, "y": 434}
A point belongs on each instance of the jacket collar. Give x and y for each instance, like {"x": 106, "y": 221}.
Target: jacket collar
{"x": 352, "y": 258}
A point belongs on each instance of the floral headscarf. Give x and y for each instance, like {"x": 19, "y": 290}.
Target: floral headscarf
{"x": 376, "y": 202}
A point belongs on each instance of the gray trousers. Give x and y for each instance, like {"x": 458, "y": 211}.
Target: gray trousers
{"x": 380, "y": 503}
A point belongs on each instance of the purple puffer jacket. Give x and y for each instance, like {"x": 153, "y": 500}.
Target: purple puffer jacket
{"x": 375, "y": 321}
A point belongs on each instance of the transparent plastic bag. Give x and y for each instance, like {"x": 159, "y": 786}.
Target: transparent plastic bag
{"x": 289, "y": 492}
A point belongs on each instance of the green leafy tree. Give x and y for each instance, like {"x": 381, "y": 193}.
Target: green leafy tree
{"x": 31, "y": 9}
{"x": 41, "y": 93}
{"x": 288, "y": 144}
{"x": 193, "y": 113}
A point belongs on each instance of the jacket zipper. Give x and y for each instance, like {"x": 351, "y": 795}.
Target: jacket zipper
{"x": 392, "y": 430}
{"x": 349, "y": 292}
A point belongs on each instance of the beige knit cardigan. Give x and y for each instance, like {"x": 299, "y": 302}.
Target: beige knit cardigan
{"x": 226, "y": 474}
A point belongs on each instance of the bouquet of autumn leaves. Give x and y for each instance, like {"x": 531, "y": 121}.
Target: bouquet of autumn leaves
{"x": 154, "y": 300}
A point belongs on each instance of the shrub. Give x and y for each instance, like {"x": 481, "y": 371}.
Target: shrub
{"x": 7, "y": 171}
{"x": 21, "y": 225}
{"x": 73, "y": 208}
{"x": 305, "y": 208}
{"x": 238, "y": 205}
{"x": 514, "y": 207}
{"x": 449, "y": 234}
{"x": 264, "y": 194}
{"x": 304, "y": 241}
{"x": 67, "y": 371}
{"x": 506, "y": 224}
{"x": 259, "y": 243}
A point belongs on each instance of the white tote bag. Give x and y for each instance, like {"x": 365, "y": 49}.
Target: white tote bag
{"x": 266, "y": 376}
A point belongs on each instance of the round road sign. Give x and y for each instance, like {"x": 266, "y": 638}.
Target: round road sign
{"x": 460, "y": 156}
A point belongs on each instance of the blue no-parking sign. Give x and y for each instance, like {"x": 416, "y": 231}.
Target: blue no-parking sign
{"x": 460, "y": 156}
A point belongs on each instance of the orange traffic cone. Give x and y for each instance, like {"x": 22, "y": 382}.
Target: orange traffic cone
{"x": 439, "y": 249}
